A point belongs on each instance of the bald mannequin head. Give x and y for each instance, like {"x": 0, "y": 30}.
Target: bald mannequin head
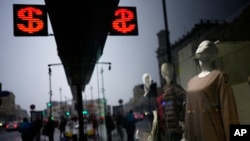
{"x": 206, "y": 51}
{"x": 167, "y": 72}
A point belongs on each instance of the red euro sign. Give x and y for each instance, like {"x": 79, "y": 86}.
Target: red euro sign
{"x": 33, "y": 24}
{"x": 121, "y": 23}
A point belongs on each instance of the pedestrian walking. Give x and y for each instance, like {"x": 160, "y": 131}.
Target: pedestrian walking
{"x": 68, "y": 134}
{"x": 37, "y": 125}
{"x": 50, "y": 128}
{"x": 130, "y": 122}
{"x": 119, "y": 124}
{"x": 110, "y": 126}
{"x": 62, "y": 125}
{"x": 94, "y": 122}
{"x": 26, "y": 130}
{"x": 75, "y": 128}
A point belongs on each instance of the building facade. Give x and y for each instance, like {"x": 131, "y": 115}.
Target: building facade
{"x": 9, "y": 111}
{"x": 233, "y": 41}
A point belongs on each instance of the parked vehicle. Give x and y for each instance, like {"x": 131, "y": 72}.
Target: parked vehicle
{"x": 4, "y": 124}
{"x": 138, "y": 116}
{"x": 13, "y": 126}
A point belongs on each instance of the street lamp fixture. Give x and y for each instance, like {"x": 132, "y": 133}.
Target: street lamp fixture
{"x": 107, "y": 63}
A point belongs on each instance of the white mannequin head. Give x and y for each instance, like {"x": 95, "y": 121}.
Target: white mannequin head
{"x": 146, "y": 78}
{"x": 167, "y": 72}
{"x": 207, "y": 51}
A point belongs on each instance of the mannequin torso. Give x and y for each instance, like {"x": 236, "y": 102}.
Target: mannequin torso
{"x": 210, "y": 104}
{"x": 170, "y": 105}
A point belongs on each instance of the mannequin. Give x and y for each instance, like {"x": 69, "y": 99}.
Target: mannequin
{"x": 149, "y": 97}
{"x": 150, "y": 89}
{"x": 170, "y": 106}
{"x": 147, "y": 81}
{"x": 210, "y": 103}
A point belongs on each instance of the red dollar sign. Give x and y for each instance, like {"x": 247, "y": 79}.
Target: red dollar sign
{"x": 121, "y": 23}
{"x": 34, "y": 24}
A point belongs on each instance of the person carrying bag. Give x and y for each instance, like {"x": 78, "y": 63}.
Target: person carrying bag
{"x": 68, "y": 131}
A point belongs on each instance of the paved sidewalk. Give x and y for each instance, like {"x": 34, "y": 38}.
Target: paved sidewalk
{"x": 115, "y": 136}
{"x": 56, "y": 136}
{"x": 102, "y": 133}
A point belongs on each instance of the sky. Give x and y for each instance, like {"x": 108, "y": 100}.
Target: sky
{"x": 24, "y": 60}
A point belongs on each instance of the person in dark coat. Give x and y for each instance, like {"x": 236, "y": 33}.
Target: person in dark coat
{"x": 130, "y": 122}
{"x": 37, "y": 125}
{"x": 26, "y": 130}
{"x": 119, "y": 124}
{"x": 62, "y": 126}
{"x": 50, "y": 128}
{"x": 109, "y": 125}
{"x": 94, "y": 123}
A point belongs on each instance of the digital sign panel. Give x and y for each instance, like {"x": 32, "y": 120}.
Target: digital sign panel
{"x": 124, "y": 22}
{"x": 30, "y": 20}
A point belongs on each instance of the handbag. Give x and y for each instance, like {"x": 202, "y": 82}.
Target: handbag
{"x": 68, "y": 134}
{"x": 68, "y": 130}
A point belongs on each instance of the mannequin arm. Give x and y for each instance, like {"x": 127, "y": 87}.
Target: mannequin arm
{"x": 182, "y": 125}
{"x": 154, "y": 125}
{"x": 183, "y": 137}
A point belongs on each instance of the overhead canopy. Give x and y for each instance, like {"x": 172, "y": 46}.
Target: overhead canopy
{"x": 80, "y": 30}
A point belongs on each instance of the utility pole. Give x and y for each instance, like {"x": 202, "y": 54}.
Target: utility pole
{"x": 103, "y": 100}
{"x": 98, "y": 91}
{"x": 60, "y": 89}
{"x": 85, "y": 103}
{"x": 168, "y": 46}
{"x": 50, "y": 93}
{"x": 99, "y": 103}
{"x": 92, "y": 101}
{"x": 50, "y": 87}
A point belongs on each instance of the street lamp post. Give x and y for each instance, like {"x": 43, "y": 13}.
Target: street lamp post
{"x": 107, "y": 63}
{"x": 50, "y": 88}
{"x": 50, "y": 93}
{"x": 103, "y": 94}
{"x": 99, "y": 105}
{"x": 98, "y": 92}
{"x": 168, "y": 46}
{"x": 92, "y": 101}
{"x": 60, "y": 89}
